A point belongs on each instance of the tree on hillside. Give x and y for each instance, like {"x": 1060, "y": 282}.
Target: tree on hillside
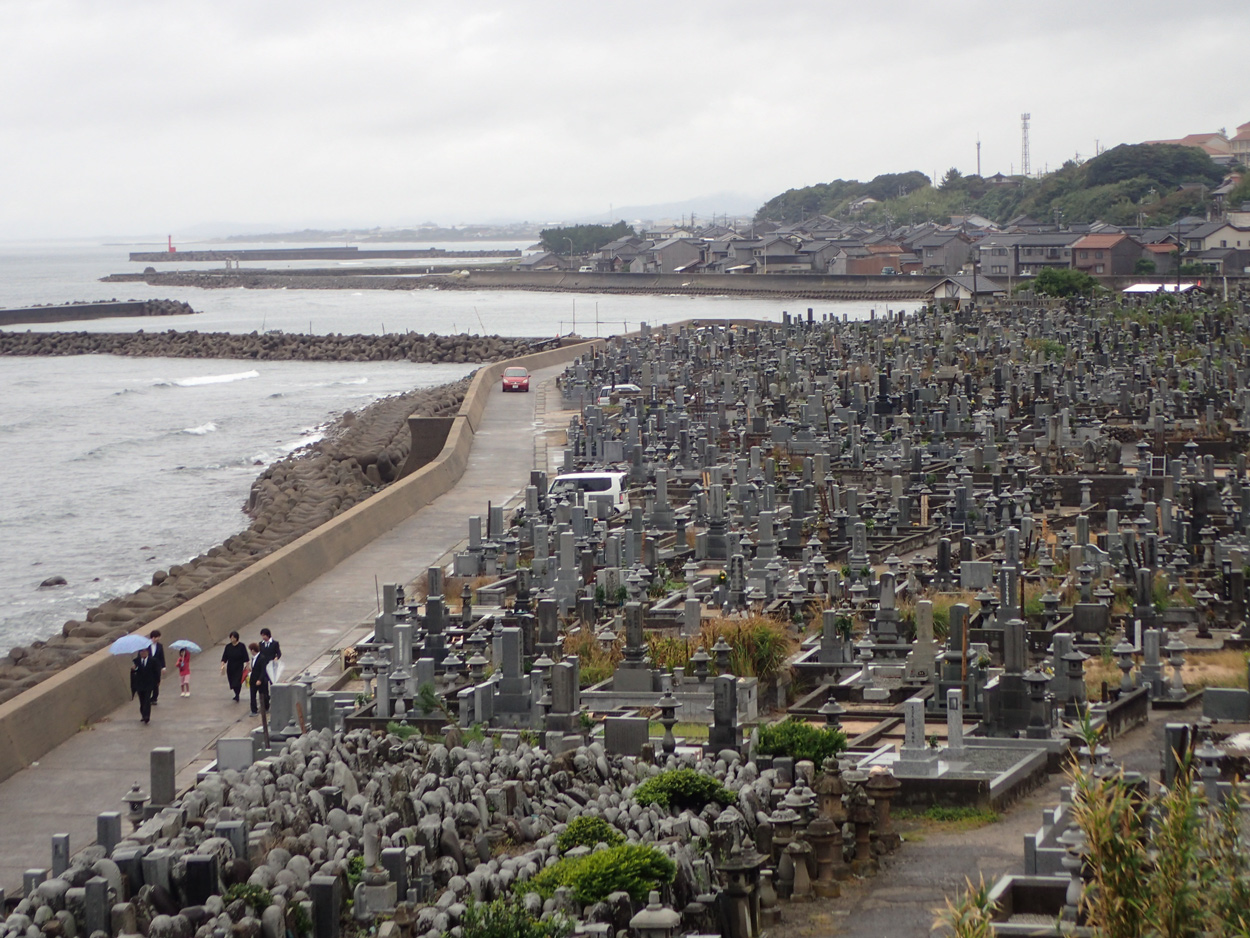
{"x": 895, "y": 185}
{"x": 1165, "y": 164}
{"x": 582, "y": 239}
{"x": 951, "y": 180}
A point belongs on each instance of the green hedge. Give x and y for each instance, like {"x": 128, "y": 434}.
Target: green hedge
{"x": 633, "y": 868}
{"x": 800, "y": 740}
{"x": 507, "y": 918}
{"x": 587, "y": 831}
{"x": 683, "y": 788}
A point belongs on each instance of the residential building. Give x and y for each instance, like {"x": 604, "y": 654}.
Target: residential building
{"x": 943, "y": 252}
{"x": 1106, "y": 254}
{"x": 1240, "y": 144}
{"x": 1216, "y": 234}
{"x": 961, "y": 289}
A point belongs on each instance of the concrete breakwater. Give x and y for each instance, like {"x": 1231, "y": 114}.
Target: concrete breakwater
{"x": 800, "y": 286}
{"x": 110, "y": 309}
{"x": 304, "y": 254}
{"x": 360, "y": 454}
{"x": 396, "y": 346}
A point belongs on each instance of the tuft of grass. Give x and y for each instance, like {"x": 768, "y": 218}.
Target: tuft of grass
{"x": 962, "y": 818}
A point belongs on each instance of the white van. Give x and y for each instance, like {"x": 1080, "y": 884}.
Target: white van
{"x": 612, "y": 393}
{"x": 607, "y": 486}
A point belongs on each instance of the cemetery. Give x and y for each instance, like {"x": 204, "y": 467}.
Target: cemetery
{"x": 933, "y": 559}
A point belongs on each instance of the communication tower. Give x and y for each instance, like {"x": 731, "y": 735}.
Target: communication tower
{"x": 1024, "y": 144}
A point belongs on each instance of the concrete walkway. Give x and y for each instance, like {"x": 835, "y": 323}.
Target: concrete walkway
{"x": 90, "y": 773}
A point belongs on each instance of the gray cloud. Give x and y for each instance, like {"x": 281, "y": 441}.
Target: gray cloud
{"x": 139, "y": 117}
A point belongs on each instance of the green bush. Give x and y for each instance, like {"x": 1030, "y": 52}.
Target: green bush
{"x": 633, "y": 868}
{"x": 800, "y": 740}
{"x": 587, "y": 831}
{"x": 254, "y": 896}
{"x": 683, "y": 788}
{"x": 507, "y": 918}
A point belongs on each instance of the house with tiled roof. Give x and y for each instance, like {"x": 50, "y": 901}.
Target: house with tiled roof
{"x": 1240, "y": 144}
{"x": 1216, "y": 234}
{"x": 1102, "y": 255}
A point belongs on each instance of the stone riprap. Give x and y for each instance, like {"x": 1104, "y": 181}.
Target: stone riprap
{"x": 422, "y": 827}
{"x": 272, "y": 346}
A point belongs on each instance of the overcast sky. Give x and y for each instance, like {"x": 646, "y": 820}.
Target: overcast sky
{"x": 130, "y": 117}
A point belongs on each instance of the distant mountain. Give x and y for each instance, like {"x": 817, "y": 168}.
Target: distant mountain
{"x": 704, "y": 207}
{"x": 1153, "y": 183}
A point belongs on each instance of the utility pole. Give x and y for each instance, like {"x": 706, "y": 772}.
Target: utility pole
{"x": 1024, "y": 144}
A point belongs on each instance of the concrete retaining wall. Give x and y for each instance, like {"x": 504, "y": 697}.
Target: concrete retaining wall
{"x": 40, "y": 719}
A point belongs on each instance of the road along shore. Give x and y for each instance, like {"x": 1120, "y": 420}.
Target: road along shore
{"x": 361, "y": 454}
{"x": 72, "y": 696}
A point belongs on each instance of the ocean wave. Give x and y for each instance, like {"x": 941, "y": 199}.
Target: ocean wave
{"x": 216, "y": 379}
{"x": 202, "y": 429}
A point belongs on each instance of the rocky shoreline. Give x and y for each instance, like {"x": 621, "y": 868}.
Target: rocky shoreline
{"x": 273, "y": 346}
{"x": 360, "y": 454}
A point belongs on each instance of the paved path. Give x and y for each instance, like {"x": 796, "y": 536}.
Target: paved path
{"x": 90, "y": 773}
{"x": 936, "y": 859}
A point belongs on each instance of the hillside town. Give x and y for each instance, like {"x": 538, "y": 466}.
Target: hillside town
{"x": 862, "y": 242}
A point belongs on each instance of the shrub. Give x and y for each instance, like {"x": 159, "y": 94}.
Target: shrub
{"x": 683, "y": 788}
{"x": 800, "y": 740}
{"x": 257, "y": 897}
{"x": 633, "y": 868}
{"x": 586, "y": 831}
{"x": 507, "y": 918}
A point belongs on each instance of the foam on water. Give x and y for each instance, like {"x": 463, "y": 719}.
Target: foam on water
{"x": 215, "y": 379}
{"x": 203, "y": 428}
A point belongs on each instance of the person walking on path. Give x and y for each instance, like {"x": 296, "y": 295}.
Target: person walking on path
{"x": 158, "y": 659}
{"x": 234, "y": 660}
{"x": 184, "y": 672}
{"x": 267, "y": 651}
{"x": 144, "y": 677}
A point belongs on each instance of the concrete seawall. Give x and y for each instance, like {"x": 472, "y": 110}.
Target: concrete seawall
{"x": 38, "y": 720}
{"x": 113, "y": 309}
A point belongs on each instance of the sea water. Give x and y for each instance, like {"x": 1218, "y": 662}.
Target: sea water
{"x": 117, "y": 467}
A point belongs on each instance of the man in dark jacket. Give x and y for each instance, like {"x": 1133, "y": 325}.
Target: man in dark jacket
{"x": 269, "y": 651}
{"x": 158, "y": 659}
{"x": 144, "y": 676}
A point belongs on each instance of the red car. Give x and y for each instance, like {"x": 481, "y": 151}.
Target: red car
{"x": 516, "y": 379}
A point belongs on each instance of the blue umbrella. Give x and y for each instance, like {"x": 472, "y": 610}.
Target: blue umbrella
{"x": 129, "y": 644}
{"x": 187, "y": 644}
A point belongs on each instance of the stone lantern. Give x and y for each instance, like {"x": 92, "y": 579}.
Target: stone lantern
{"x": 135, "y": 800}
{"x": 882, "y": 787}
{"x": 1175, "y": 650}
{"x": 832, "y": 711}
{"x": 801, "y": 800}
{"x": 1075, "y": 662}
{"x": 700, "y": 660}
{"x": 668, "y": 719}
{"x": 722, "y": 650}
{"x": 1124, "y": 651}
{"x": 655, "y": 921}
{"x": 1039, "y": 719}
{"x": 1203, "y": 598}
{"x": 1210, "y": 755}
